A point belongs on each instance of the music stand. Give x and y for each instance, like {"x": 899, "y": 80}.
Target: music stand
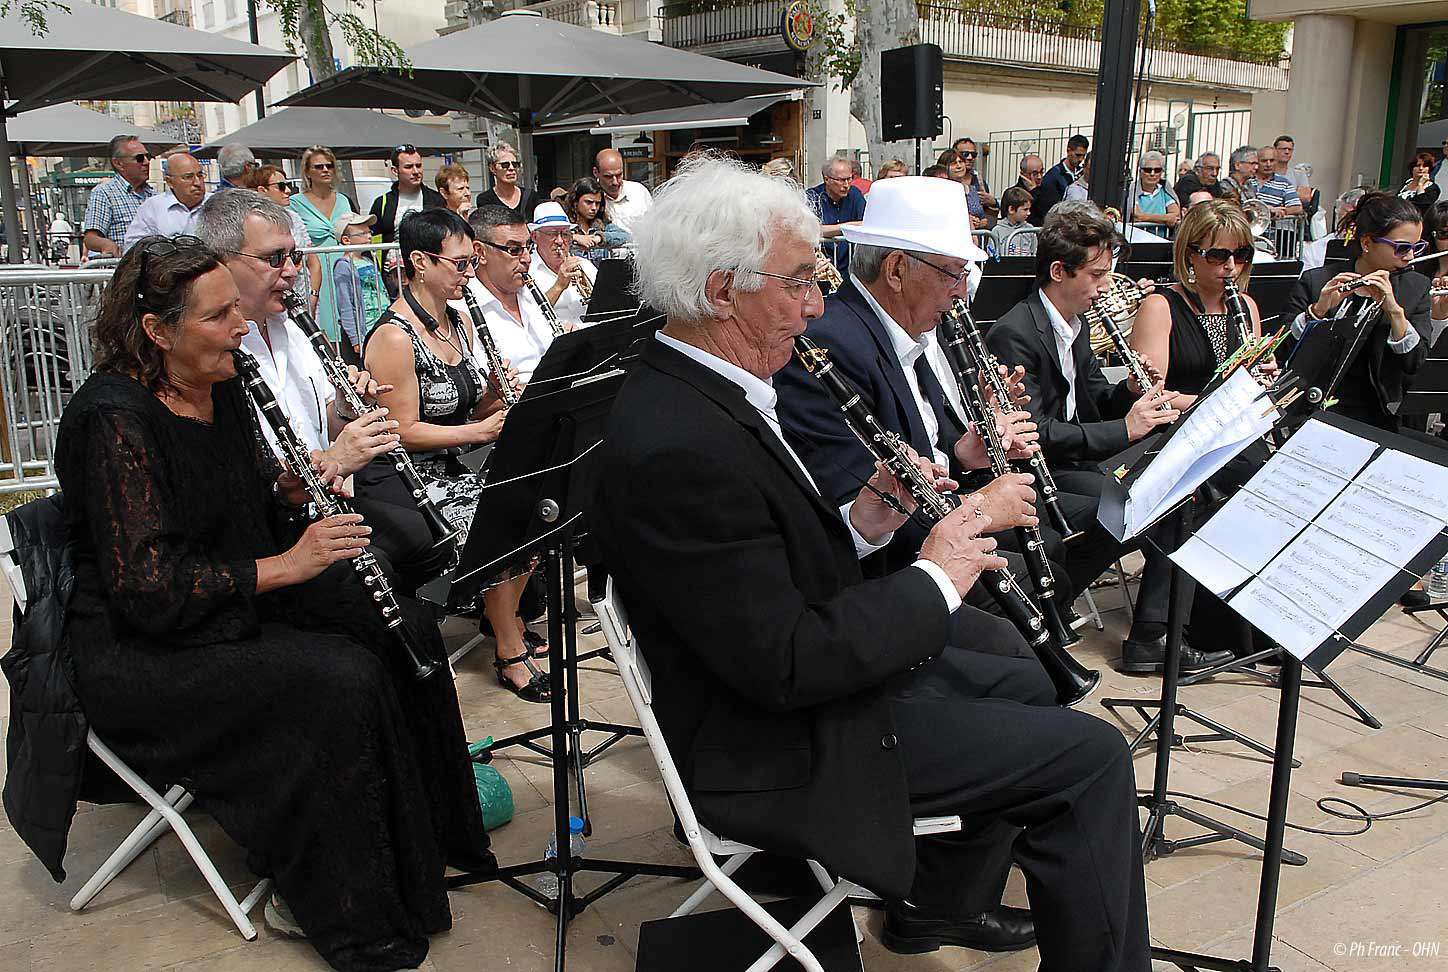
{"x": 538, "y": 483}
{"x": 1004, "y": 283}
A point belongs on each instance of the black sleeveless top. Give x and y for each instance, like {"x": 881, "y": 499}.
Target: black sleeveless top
{"x": 1199, "y": 342}
{"x": 446, "y": 394}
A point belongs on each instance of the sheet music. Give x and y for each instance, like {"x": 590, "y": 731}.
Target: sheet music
{"x": 1220, "y": 426}
{"x": 1290, "y": 484}
{"x": 1328, "y": 577}
{"x": 1415, "y": 482}
{"x": 1393, "y": 531}
{"x": 1210, "y": 567}
{"x": 1331, "y": 448}
{"x": 1253, "y": 529}
{"x": 1281, "y": 618}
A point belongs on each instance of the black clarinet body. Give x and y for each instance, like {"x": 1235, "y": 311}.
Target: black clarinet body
{"x": 325, "y": 503}
{"x": 1033, "y": 546}
{"x": 438, "y": 527}
{"x": 542, "y": 299}
{"x": 506, "y": 390}
{"x": 989, "y": 367}
{"x": 886, "y": 447}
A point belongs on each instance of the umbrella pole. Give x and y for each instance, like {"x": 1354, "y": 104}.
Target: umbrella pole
{"x": 13, "y": 239}
{"x": 32, "y": 217}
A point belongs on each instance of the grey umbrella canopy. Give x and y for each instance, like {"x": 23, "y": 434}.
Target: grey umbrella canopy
{"x": 525, "y": 70}
{"x": 65, "y": 131}
{"x": 91, "y": 52}
{"x": 353, "y": 133}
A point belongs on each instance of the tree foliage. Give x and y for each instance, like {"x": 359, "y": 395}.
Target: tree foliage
{"x": 303, "y": 24}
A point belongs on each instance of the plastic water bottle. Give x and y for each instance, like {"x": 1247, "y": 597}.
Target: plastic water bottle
{"x": 1438, "y": 580}
{"x": 548, "y": 881}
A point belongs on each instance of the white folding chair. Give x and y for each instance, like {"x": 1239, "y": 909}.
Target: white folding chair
{"x": 165, "y": 810}
{"x": 706, "y": 845}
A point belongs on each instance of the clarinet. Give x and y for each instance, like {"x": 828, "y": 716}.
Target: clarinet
{"x": 1033, "y": 547}
{"x": 934, "y": 506}
{"x": 499, "y": 371}
{"x": 1237, "y": 310}
{"x": 1122, "y": 300}
{"x": 543, "y": 305}
{"x": 988, "y": 366}
{"x": 327, "y": 504}
{"x": 442, "y": 531}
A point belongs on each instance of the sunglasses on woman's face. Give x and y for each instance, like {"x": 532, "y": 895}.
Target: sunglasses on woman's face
{"x": 285, "y": 187}
{"x": 1152, "y": 171}
{"x": 1218, "y": 255}
{"x": 1401, "y": 249}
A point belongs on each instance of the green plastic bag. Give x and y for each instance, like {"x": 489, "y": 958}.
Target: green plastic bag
{"x": 494, "y": 794}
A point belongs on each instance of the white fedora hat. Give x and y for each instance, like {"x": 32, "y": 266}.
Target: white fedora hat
{"x": 927, "y": 215}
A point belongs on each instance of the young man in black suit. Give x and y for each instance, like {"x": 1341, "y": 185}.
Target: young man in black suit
{"x": 812, "y": 712}
{"x": 1083, "y": 418}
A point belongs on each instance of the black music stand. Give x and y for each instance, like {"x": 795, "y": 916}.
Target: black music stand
{"x": 538, "y": 482}
{"x": 1004, "y": 283}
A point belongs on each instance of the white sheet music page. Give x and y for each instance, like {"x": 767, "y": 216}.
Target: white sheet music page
{"x": 1223, "y": 424}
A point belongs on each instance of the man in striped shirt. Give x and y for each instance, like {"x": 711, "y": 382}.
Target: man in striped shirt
{"x": 1273, "y": 188}
{"x": 113, "y": 204}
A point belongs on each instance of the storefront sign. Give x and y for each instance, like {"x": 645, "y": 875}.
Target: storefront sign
{"x": 797, "y": 25}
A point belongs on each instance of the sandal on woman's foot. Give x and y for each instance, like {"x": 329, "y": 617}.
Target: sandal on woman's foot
{"x": 535, "y": 689}
{"x": 279, "y": 917}
{"x": 537, "y": 644}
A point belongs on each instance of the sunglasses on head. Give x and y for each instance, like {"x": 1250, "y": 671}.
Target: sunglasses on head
{"x": 1401, "y": 249}
{"x": 275, "y": 260}
{"x": 160, "y": 246}
{"x": 1218, "y": 255}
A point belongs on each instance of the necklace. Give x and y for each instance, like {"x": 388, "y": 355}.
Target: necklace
{"x": 431, "y": 324}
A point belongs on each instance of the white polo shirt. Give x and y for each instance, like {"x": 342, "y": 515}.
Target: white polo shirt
{"x": 295, "y": 376}
{"x": 632, "y": 202}
{"x": 521, "y": 342}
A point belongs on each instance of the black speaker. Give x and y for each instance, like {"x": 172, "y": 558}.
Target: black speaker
{"x": 912, "y": 92}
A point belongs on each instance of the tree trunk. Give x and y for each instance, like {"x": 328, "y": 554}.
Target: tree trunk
{"x": 879, "y": 26}
{"x": 316, "y": 39}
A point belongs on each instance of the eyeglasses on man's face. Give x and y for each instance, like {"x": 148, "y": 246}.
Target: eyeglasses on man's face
{"x": 955, "y": 278}
{"x": 275, "y": 260}
{"x": 795, "y": 288}
{"x": 506, "y": 163}
{"x": 515, "y": 250}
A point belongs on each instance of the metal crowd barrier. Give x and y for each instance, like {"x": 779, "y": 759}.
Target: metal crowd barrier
{"x": 45, "y": 355}
{"x": 333, "y": 306}
{"x": 1021, "y": 241}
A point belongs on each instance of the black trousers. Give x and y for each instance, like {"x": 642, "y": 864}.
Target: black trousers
{"x": 398, "y": 529}
{"x": 1048, "y": 786}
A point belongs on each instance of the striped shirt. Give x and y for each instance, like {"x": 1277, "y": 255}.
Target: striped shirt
{"x": 112, "y": 207}
{"x": 1276, "y": 190}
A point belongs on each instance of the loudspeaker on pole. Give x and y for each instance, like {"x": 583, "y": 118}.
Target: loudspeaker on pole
{"x": 912, "y": 92}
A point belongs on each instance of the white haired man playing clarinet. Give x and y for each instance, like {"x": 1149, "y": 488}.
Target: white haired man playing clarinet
{"x": 811, "y": 712}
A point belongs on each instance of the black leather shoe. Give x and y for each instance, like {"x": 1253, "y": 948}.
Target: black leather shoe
{"x": 908, "y": 931}
{"x": 1149, "y": 657}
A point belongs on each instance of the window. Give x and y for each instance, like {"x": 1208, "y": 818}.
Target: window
{"x": 231, "y": 12}
{"x": 207, "y": 15}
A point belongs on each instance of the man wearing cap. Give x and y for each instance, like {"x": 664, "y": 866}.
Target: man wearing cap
{"x": 407, "y": 195}
{"x": 554, "y": 267}
{"x": 360, "y": 296}
{"x": 173, "y": 211}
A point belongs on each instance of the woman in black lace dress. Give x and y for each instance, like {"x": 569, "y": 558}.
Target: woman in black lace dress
{"x": 443, "y": 404}
{"x": 219, "y": 643}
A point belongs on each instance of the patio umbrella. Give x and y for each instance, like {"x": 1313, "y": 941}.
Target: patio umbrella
{"x": 91, "y": 52}
{"x": 353, "y": 133}
{"x": 64, "y": 131}
{"x": 527, "y": 71}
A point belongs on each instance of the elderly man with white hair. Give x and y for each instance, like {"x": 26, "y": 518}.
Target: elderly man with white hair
{"x": 812, "y": 712}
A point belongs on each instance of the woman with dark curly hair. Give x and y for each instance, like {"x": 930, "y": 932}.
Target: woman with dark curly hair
{"x": 595, "y": 236}
{"x": 219, "y": 640}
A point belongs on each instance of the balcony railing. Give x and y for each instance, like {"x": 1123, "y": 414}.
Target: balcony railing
{"x": 181, "y": 18}
{"x": 697, "y": 24}
{"x": 975, "y": 33}
{"x": 594, "y": 14}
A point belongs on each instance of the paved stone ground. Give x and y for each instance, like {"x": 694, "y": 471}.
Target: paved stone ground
{"x": 1382, "y": 888}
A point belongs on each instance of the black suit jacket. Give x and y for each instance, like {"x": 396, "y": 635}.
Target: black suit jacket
{"x": 1024, "y": 337}
{"x": 1392, "y": 373}
{"x": 769, "y": 653}
{"x": 863, "y": 352}
{"x": 384, "y": 207}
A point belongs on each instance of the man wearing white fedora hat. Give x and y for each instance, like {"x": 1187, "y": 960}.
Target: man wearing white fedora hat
{"x": 912, "y": 256}
{"x": 555, "y": 269}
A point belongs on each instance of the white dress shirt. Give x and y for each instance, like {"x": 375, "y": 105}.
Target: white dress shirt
{"x": 762, "y": 397}
{"x": 1065, "y": 334}
{"x": 632, "y": 202}
{"x": 908, "y": 351}
{"x": 295, "y": 376}
{"x": 162, "y": 215}
{"x": 523, "y": 344}
{"x": 570, "y": 307}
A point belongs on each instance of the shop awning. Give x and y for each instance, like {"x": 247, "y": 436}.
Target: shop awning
{"x": 729, "y": 114}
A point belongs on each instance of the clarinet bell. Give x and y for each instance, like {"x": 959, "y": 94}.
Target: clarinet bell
{"x": 1074, "y": 682}
{"x": 437, "y": 525}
